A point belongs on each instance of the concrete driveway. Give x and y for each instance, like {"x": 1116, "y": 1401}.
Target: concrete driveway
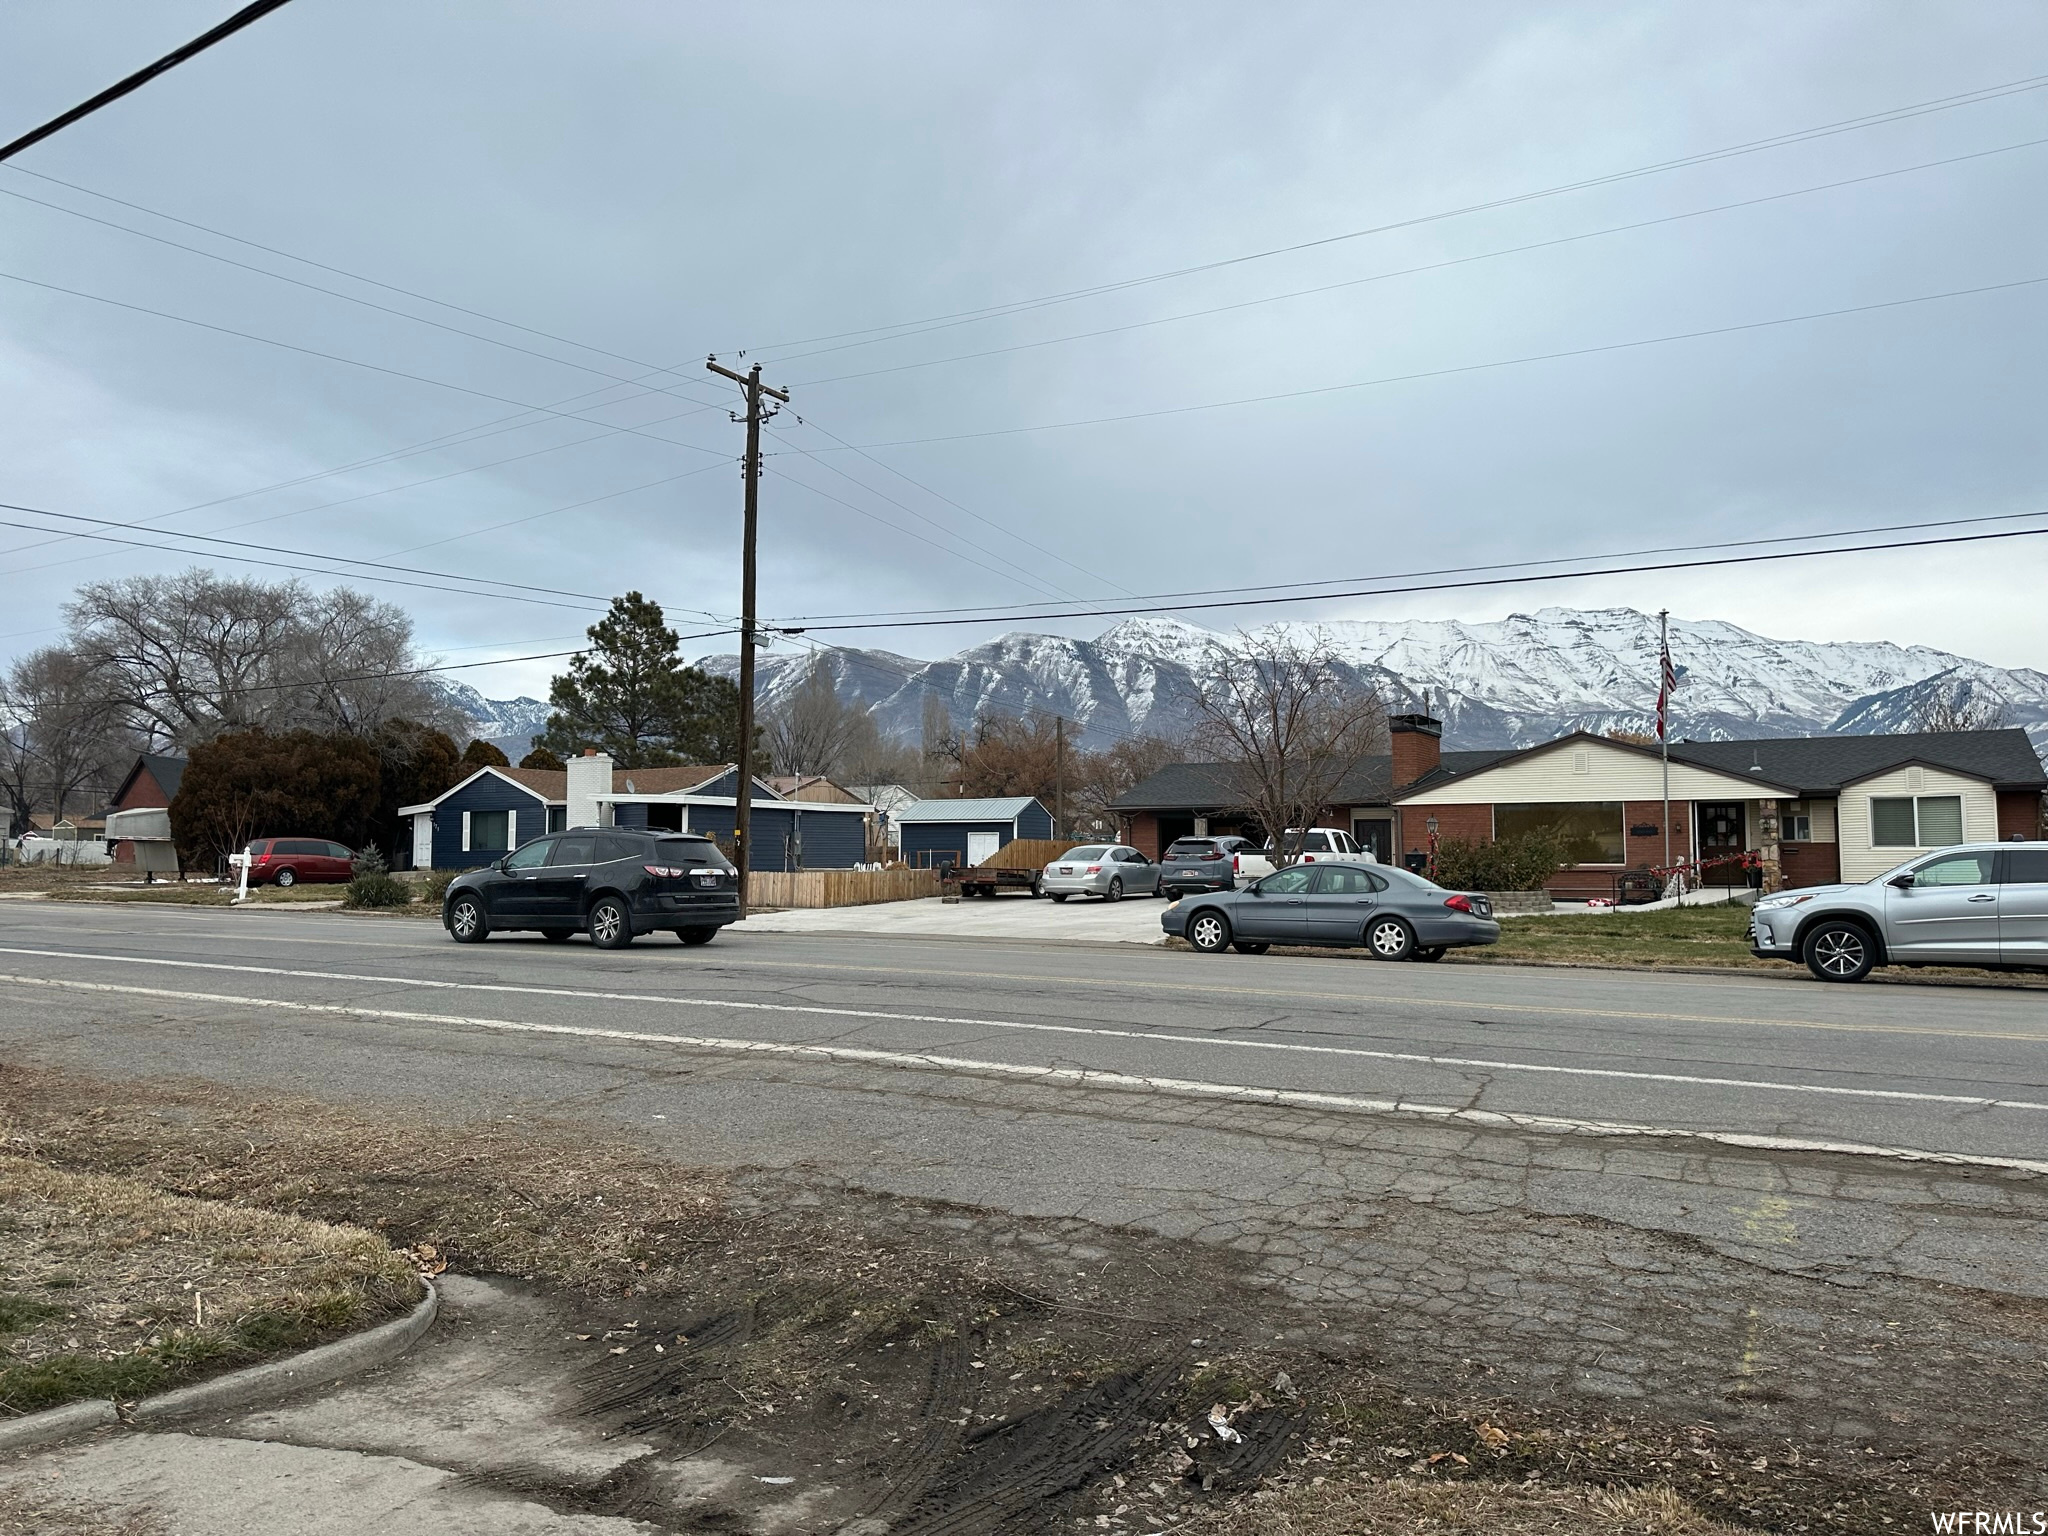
{"x": 1134, "y": 920}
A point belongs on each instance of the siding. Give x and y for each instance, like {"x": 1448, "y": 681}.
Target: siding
{"x": 832, "y": 839}
{"x": 1613, "y": 772}
{"x": 923, "y": 839}
{"x": 486, "y": 793}
{"x": 1035, "y": 822}
{"x": 1861, "y": 861}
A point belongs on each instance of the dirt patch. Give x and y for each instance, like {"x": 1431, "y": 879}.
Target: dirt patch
{"x": 955, "y": 1372}
{"x": 109, "y": 1288}
{"x": 26, "y": 1513}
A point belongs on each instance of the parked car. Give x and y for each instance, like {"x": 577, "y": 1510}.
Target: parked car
{"x": 1392, "y": 912}
{"x": 1315, "y": 845}
{"x": 1983, "y": 904}
{"x": 1201, "y": 864}
{"x": 1109, "y": 870}
{"x": 612, "y": 883}
{"x": 285, "y": 861}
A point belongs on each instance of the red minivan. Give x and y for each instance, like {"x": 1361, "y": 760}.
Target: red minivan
{"x": 288, "y": 860}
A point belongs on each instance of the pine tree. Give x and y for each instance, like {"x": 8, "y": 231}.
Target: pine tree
{"x": 631, "y": 696}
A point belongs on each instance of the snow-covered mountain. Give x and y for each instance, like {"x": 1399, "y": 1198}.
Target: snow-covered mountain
{"x": 1521, "y": 680}
{"x": 508, "y": 724}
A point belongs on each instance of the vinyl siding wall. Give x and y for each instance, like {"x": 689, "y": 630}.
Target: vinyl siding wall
{"x": 488, "y": 793}
{"x": 1861, "y": 860}
{"x": 922, "y": 840}
{"x": 832, "y": 839}
{"x": 1034, "y": 821}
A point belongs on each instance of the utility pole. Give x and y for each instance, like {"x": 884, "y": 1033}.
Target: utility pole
{"x": 1059, "y": 776}
{"x": 743, "y": 796}
{"x": 1664, "y": 728}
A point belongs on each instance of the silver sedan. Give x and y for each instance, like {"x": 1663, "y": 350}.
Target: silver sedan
{"x": 1109, "y": 870}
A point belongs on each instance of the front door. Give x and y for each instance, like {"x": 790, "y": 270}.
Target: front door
{"x": 1375, "y": 837}
{"x": 2023, "y": 907}
{"x": 423, "y": 840}
{"x": 982, "y": 845}
{"x": 1724, "y": 835}
{"x": 1949, "y": 912}
{"x": 1275, "y": 910}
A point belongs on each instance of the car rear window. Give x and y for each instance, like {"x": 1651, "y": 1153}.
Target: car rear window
{"x": 1191, "y": 848}
{"x": 693, "y": 850}
{"x": 1084, "y": 853}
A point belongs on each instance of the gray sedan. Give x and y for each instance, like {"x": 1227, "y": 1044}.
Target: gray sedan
{"x": 1395, "y": 914}
{"x": 1109, "y": 870}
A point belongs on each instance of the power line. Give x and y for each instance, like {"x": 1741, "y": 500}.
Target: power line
{"x": 1778, "y": 141}
{"x": 141, "y": 77}
{"x": 1440, "y": 373}
{"x": 1452, "y": 586}
{"x": 998, "y": 615}
{"x": 1432, "y": 266}
{"x": 353, "y": 362}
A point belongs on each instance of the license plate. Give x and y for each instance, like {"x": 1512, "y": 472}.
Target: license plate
{"x": 1066, "y": 869}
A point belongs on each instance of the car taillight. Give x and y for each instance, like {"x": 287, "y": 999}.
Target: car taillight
{"x": 1236, "y": 864}
{"x": 262, "y": 858}
{"x": 1094, "y": 869}
{"x": 1209, "y": 857}
{"x": 1458, "y": 903}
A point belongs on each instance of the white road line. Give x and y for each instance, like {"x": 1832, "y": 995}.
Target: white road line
{"x": 1084, "y": 1077}
{"x": 818, "y": 1010}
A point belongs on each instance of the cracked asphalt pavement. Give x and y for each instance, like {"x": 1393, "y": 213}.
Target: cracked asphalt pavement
{"x": 1773, "y": 1204}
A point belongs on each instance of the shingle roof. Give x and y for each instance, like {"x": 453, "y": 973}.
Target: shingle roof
{"x": 1214, "y": 786}
{"x": 548, "y": 783}
{"x": 1008, "y": 808}
{"x": 666, "y": 781}
{"x": 169, "y": 772}
{"x": 1820, "y": 764}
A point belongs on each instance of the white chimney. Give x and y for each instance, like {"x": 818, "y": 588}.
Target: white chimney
{"x": 589, "y": 776}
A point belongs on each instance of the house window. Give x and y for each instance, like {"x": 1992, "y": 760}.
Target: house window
{"x": 558, "y": 818}
{"x": 1916, "y": 821}
{"x": 490, "y": 831}
{"x": 1592, "y": 831}
{"x": 1798, "y": 823}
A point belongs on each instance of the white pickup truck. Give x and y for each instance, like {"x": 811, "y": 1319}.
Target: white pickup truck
{"x": 1317, "y": 843}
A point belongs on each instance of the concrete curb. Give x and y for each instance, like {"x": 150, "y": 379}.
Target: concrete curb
{"x": 237, "y": 1389}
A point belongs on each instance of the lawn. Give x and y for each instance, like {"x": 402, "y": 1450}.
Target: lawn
{"x": 1684, "y": 936}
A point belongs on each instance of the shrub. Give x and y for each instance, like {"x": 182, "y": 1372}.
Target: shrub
{"x": 373, "y": 884}
{"x": 1511, "y": 864}
{"x": 434, "y": 887}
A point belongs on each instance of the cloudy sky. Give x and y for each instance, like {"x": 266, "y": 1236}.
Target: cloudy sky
{"x": 828, "y": 186}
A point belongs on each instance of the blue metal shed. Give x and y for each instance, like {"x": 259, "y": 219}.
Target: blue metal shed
{"x": 963, "y": 832}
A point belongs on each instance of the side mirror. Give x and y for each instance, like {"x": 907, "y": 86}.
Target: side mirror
{"x": 1902, "y": 882}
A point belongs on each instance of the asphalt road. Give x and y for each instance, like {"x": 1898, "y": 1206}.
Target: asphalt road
{"x": 1955, "y": 1071}
{"x": 1738, "y": 1197}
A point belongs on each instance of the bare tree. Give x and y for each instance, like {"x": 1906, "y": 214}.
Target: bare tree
{"x": 1951, "y": 703}
{"x": 812, "y": 731}
{"x": 1289, "y": 721}
{"x": 178, "y": 660}
{"x": 57, "y": 741}
{"x": 1096, "y": 779}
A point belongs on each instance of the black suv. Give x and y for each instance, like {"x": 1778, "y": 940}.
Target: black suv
{"x": 609, "y": 882}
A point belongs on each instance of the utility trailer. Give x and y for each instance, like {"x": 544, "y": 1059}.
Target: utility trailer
{"x": 1016, "y": 866}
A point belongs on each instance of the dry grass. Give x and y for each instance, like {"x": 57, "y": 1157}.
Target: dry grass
{"x": 195, "y": 894}
{"x": 1364, "y": 1506}
{"x": 109, "y": 1287}
{"x": 24, "y": 1512}
{"x": 506, "y": 1196}
{"x": 1686, "y": 936}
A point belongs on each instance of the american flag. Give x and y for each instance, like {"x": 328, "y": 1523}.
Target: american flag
{"x": 1667, "y": 684}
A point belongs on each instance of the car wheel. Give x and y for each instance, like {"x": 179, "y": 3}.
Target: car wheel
{"x": 1251, "y": 949}
{"x": 1209, "y": 932}
{"x": 1059, "y": 895}
{"x": 696, "y": 935}
{"x": 1389, "y": 938}
{"x": 610, "y": 928}
{"x": 466, "y": 921}
{"x": 286, "y": 878}
{"x": 1430, "y": 952}
{"x": 1839, "y": 952}
{"x": 1116, "y": 889}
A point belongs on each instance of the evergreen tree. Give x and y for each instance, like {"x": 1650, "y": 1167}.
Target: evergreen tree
{"x": 541, "y": 757}
{"x": 631, "y": 696}
{"x": 482, "y": 754}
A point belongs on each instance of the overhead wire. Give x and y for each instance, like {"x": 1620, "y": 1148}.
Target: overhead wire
{"x": 896, "y": 330}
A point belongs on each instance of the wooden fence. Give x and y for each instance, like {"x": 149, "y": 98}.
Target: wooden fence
{"x": 838, "y": 887}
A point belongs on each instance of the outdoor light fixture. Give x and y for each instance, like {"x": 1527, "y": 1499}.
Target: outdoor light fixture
{"x": 1431, "y": 824}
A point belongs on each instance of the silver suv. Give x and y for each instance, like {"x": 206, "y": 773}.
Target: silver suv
{"x": 1979, "y": 904}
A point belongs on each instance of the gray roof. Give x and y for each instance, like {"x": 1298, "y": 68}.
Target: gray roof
{"x": 1821, "y": 764}
{"x": 1218, "y": 786}
{"x": 1008, "y": 808}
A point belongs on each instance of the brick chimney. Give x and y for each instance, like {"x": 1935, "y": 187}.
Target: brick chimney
{"x": 1418, "y": 746}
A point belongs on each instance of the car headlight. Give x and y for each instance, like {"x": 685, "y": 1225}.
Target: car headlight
{"x": 1171, "y": 905}
{"x": 1779, "y": 903}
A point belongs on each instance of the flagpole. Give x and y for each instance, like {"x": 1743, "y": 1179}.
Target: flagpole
{"x": 1664, "y": 727}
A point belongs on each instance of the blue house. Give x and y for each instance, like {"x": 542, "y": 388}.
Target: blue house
{"x": 788, "y": 834}
{"x": 486, "y": 816}
{"x": 964, "y": 832}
